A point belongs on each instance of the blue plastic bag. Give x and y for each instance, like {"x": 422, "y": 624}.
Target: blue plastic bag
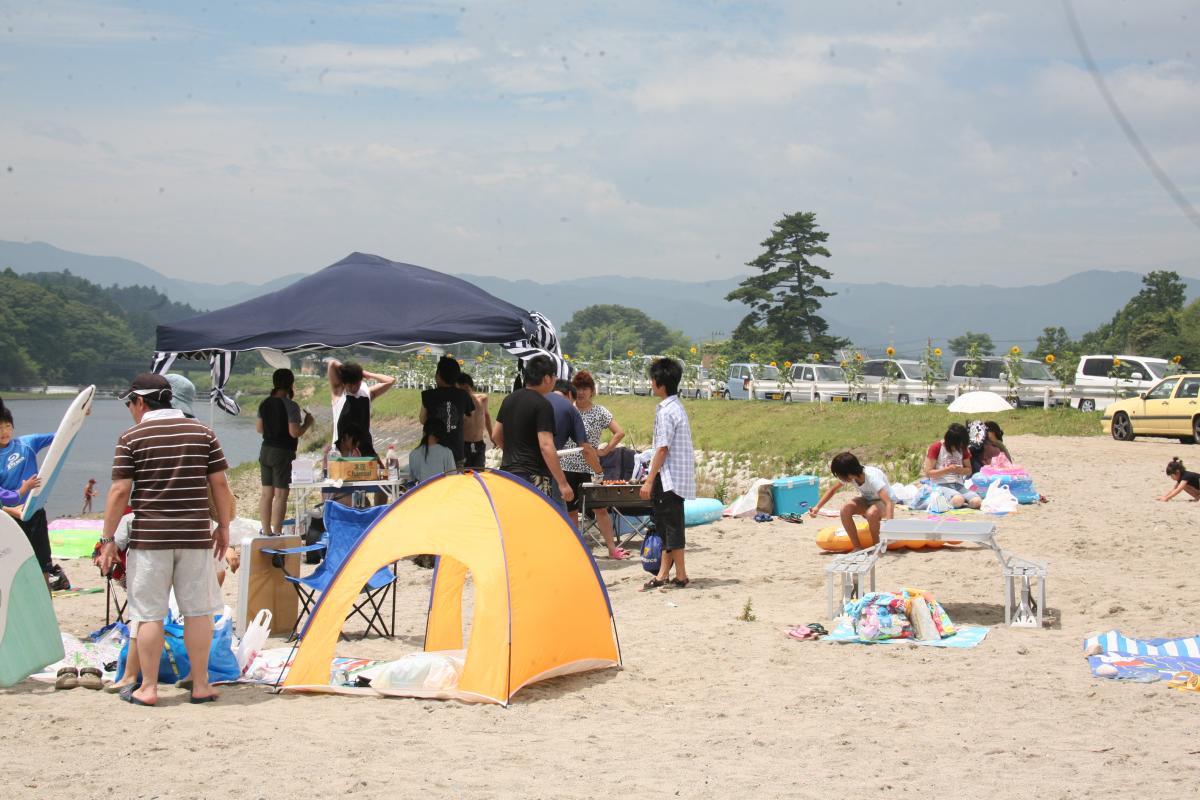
{"x": 174, "y": 664}
{"x": 652, "y": 553}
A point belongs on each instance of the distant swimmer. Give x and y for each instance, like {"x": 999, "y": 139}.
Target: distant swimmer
{"x": 89, "y": 492}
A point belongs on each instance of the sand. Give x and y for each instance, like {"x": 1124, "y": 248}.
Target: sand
{"x": 710, "y": 706}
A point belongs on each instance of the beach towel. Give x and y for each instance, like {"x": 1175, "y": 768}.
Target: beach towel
{"x": 1140, "y": 669}
{"x": 74, "y": 538}
{"x": 967, "y": 636}
{"x": 1115, "y": 642}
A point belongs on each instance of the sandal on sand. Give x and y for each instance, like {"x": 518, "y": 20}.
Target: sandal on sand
{"x": 91, "y": 678}
{"x": 126, "y": 694}
{"x": 212, "y": 698}
{"x": 653, "y": 583}
{"x": 67, "y": 678}
{"x": 185, "y": 683}
{"x": 117, "y": 688}
{"x": 802, "y": 633}
{"x": 680, "y": 584}
{"x": 619, "y": 554}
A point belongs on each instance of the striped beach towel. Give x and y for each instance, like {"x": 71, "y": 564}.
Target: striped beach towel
{"x": 1116, "y": 642}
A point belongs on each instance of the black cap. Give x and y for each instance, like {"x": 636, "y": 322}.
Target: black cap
{"x": 148, "y": 383}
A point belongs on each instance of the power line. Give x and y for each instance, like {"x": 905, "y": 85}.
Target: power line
{"x": 1161, "y": 176}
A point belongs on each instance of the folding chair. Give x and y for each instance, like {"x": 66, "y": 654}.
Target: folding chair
{"x": 344, "y": 527}
{"x": 113, "y": 604}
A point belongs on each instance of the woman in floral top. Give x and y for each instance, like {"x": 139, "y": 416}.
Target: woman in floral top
{"x": 595, "y": 420}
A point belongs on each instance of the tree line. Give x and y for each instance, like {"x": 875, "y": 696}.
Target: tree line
{"x": 58, "y": 328}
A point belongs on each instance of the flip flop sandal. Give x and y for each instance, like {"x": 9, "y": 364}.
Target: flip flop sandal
{"x": 212, "y": 698}
{"x": 653, "y": 583}
{"x": 801, "y": 633}
{"x": 91, "y": 678}
{"x": 817, "y": 628}
{"x": 126, "y": 694}
{"x": 67, "y": 678}
{"x": 117, "y": 688}
{"x": 796, "y": 518}
{"x": 620, "y": 554}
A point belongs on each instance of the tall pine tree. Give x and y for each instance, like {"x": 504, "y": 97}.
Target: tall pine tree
{"x": 785, "y": 297}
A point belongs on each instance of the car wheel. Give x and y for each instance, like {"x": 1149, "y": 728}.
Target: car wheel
{"x": 787, "y": 397}
{"x": 860, "y": 398}
{"x": 1195, "y": 431}
{"x": 1122, "y": 428}
{"x": 1087, "y": 405}
{"x": 903, "y": 400}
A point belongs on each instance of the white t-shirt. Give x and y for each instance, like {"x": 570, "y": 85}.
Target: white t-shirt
{"x": 339, "y": 402}
{"x": 874, "y": 481}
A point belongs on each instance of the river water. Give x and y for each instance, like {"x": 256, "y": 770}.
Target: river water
{"x": 91, "y": 457}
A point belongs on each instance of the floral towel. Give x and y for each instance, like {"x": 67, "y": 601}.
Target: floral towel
{"x": 879, "y": 615}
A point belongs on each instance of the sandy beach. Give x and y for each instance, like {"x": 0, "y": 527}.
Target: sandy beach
{"x": 710, "y": 706}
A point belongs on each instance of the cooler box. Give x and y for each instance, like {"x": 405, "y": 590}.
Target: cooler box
{"x": 795, "y": 495}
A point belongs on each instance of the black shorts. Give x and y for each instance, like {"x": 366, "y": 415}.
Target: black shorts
{"x": 275, "y": 466}
{"x": 476, "y": 455}
{"x": 668, "y": 516}
{"x": 576, "y": 480}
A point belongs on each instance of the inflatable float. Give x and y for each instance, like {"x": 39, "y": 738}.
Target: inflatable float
{"x": 834, "y": 540}
{"x": 701, "y": 511}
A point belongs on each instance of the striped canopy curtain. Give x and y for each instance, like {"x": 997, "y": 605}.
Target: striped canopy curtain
{"x": 220, "y": 368}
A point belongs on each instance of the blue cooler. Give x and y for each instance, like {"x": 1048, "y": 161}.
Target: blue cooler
{"x": 795, "y": 495}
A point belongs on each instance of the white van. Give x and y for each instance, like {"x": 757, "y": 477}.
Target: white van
{"x": 1095, "y": 389}
{"x": 908, "y": 385}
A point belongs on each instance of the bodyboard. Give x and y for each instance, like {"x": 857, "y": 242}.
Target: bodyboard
{"x": 29, "y": 634}
{"x": 60, "y": 448}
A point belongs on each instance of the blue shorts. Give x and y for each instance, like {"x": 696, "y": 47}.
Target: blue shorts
{"x": 949, "y": 490}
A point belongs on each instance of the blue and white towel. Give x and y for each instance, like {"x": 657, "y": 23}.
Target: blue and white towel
{"x": 1116, "y": 642}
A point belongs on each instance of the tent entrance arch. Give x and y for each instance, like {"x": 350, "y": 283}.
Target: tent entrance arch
{"x": 540, "y": 607}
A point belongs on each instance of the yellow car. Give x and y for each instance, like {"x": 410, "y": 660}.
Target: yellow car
{"x": 1171, "y": 408}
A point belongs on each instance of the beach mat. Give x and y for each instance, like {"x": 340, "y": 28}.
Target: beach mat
{"x": 967, "y": 636}
{"x": 1115, "y": 642}
{"x": 1141, "y": 669}
{"x": 74, "y": 538}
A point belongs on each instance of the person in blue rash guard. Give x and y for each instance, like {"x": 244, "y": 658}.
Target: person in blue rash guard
{"x": 18, "y": 465}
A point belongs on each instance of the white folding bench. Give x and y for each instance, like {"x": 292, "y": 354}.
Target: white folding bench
{"x": 856, "y": 576}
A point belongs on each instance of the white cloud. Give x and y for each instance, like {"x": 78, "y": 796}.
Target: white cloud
{"x": 79, "y": 21}
{"x": 321, "y": 66}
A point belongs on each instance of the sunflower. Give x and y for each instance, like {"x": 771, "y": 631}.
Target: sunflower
{"x": 773, "y": 364}
{"x": 1116, "y": 362}
{"x": 1176, "y": 359}
{"x": 1049, "y": 358}
{"x": 461, "y": 363}
{"x": 891, "y": 351}
{"x": 937, "y": 351}
{"x": 816, "y": 357}
{"x": 1016, "y": 351}
{"x": 842, "y": 364}
{"x": 420, "y": 358}
{"x": 787, "y": 365}
{"x": 858, "y": 356}
{"x": 629, "y": 353}
{"x": 566, "y": 357}
{"x": 693, "y": 350}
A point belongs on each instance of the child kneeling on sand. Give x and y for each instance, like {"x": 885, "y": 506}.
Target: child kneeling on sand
{"x": 874, "y": 502}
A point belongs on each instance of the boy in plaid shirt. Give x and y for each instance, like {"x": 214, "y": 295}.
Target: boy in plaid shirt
{"x": 671, "y": 478}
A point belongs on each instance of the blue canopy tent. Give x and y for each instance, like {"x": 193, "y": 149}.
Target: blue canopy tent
{"x": 362, "y": 300}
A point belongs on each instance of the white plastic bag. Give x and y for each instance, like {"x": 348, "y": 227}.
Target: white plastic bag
{"x": 937, "y": 503}
{"x": 999, "y": 499}
{"x": 421, "y": 674}
{"x": 747, "y": 504}
{"x": 254, "y": 638}
{"x": 903, "y": 493}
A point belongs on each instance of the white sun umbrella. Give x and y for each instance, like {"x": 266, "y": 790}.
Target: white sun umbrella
{"x": 980, "y": 403}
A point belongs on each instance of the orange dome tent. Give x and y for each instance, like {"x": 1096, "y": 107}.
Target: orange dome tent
{"x": 540, "y": 607}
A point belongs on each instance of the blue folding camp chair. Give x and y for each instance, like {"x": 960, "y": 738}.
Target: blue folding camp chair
{"x": 344, "y": 527}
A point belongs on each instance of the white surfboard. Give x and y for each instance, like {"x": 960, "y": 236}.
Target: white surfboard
{"x": 29, "y": 634}
{"x": 58, "y": 451}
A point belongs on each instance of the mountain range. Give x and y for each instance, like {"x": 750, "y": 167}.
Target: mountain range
{"x": 873, "y": 315}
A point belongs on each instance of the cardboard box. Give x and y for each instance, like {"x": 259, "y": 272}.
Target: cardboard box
{"x": 353, "y": 469}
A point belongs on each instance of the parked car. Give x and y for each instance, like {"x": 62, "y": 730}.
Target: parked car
{"x": 906, "y": 387}
{"x": 766, "y": 384}
{"x": 1035, "y": 378}
{"x": 820, "y": 382}
{"x": 1096, "y": 387}
{"x": 1171, "y": 408}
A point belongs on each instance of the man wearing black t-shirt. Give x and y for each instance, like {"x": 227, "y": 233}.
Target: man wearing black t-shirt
{"x": 525, "y": 431}
{"x": 448, "y": 405}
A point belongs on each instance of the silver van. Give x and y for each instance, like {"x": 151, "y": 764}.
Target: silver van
{"x": 907, "y": 385}
{"x": 821, "y": 383}
{"x": 1034, "y": 380}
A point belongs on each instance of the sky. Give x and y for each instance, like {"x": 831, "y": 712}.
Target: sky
{"x": 937, "y": 142}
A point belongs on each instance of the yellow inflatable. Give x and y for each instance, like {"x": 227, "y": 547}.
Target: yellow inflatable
{"x": 835, "y": 540}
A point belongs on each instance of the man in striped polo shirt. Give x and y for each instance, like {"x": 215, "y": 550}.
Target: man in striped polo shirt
{"x": 165, "y": 467}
